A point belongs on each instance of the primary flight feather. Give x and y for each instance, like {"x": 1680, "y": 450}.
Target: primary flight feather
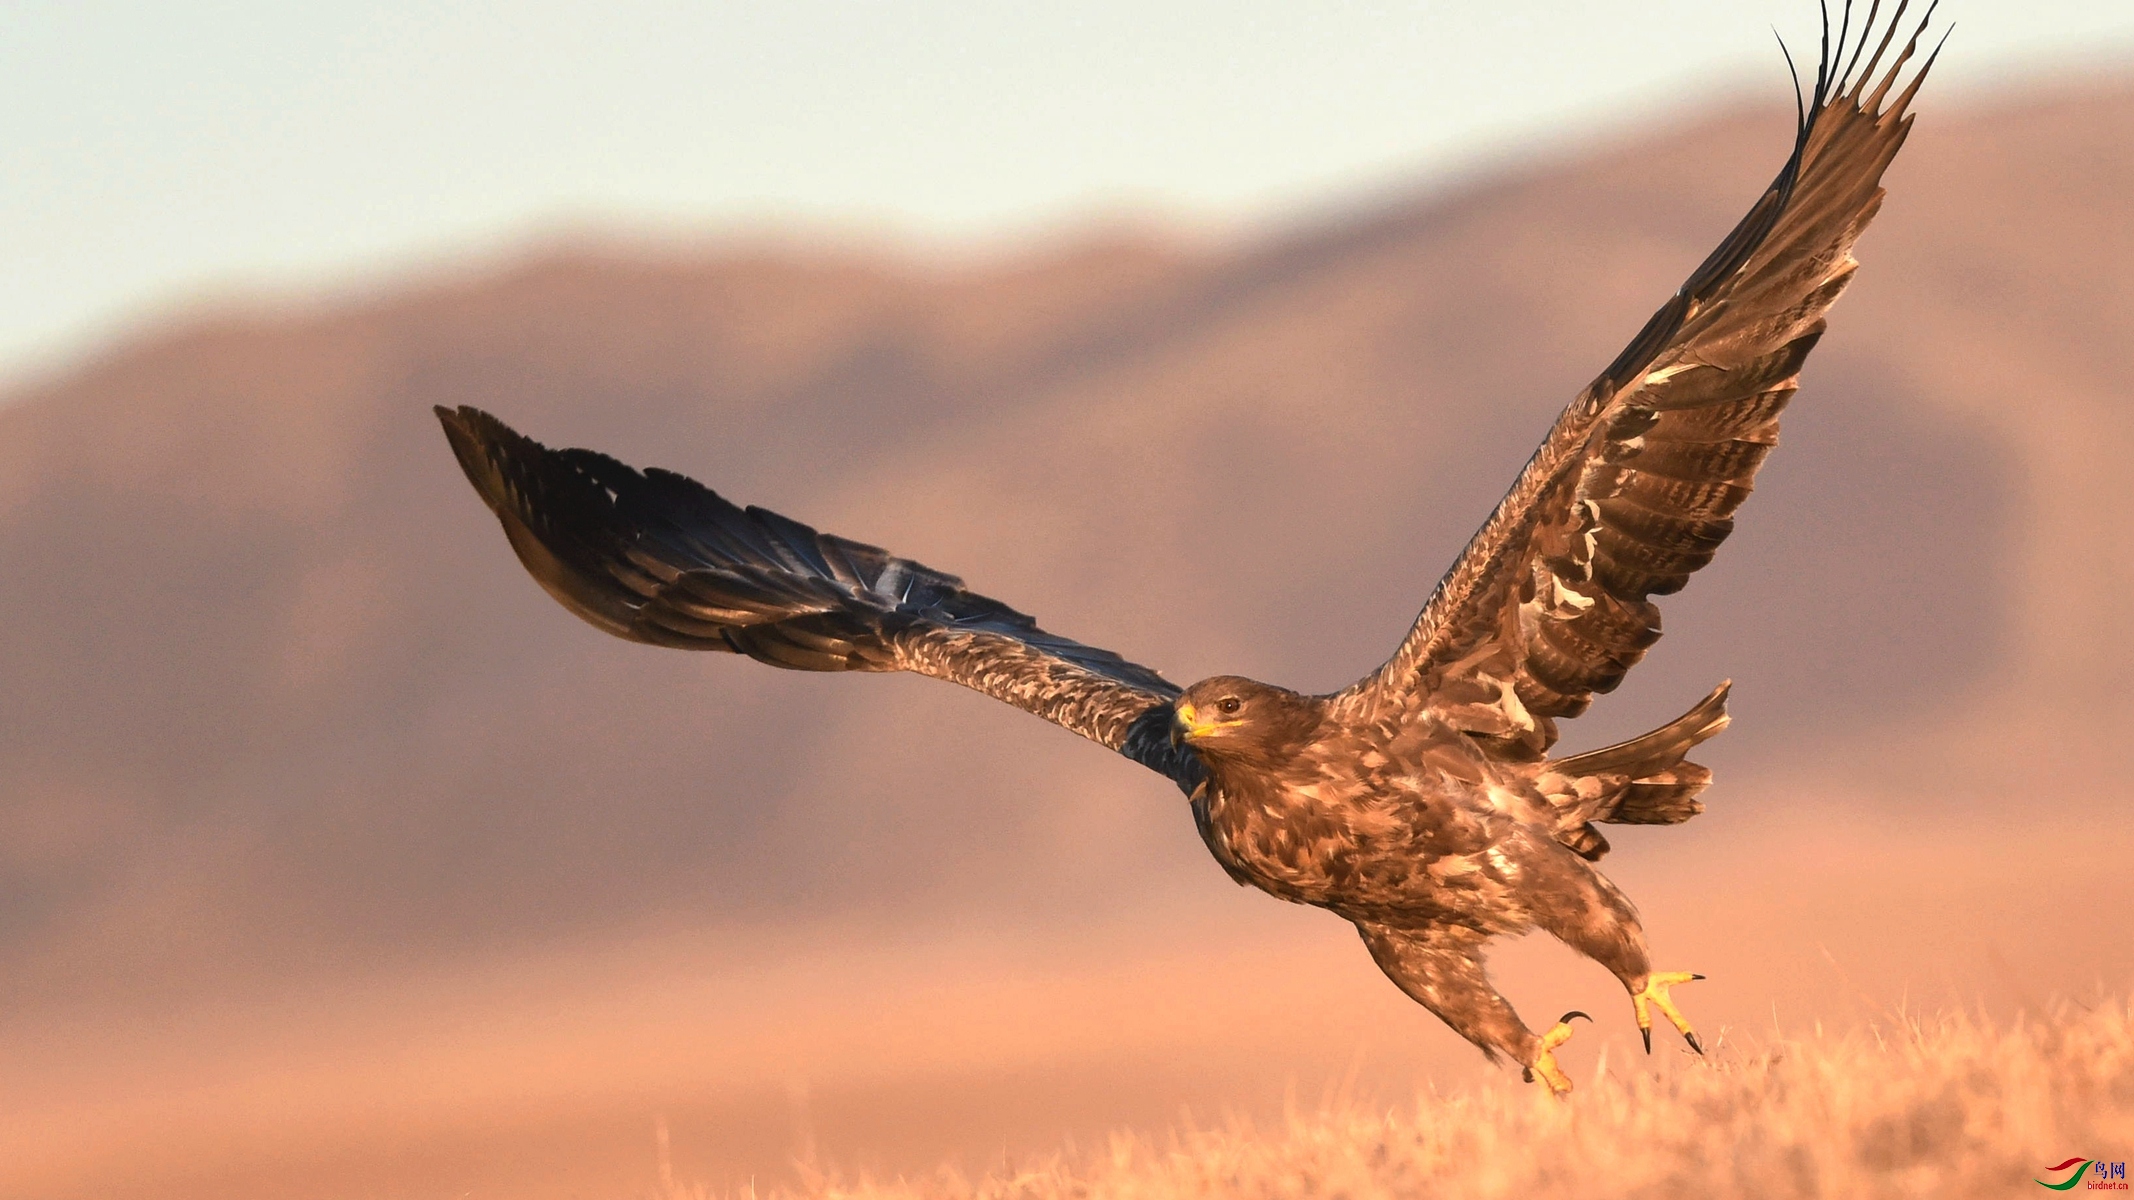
{"x": 1420, "y": 803}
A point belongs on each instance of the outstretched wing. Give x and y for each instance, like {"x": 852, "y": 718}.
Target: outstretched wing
{"x": 1637, "y": 483}
{"x": 656, "y": 557}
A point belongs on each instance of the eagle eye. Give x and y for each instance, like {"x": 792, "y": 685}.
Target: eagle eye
{"x": 1229, "y": 705}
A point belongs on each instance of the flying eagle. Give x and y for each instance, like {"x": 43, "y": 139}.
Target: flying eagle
{"x": 1421, "y": 803}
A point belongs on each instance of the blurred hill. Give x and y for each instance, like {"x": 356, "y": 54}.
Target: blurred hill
{"x": 286, "y": 727}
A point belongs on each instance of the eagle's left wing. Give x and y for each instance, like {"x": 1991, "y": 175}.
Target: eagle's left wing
{"x": 1636, "y": 485}
{"x": 657, "y": 557}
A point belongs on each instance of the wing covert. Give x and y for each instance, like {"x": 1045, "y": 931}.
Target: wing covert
{"x": 1636, "y": 484}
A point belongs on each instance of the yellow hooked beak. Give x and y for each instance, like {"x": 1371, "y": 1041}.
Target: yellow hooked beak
{"x": 1187, "y": 725}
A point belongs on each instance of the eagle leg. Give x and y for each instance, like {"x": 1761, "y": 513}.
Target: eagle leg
{"x": 1654, "y": 995}
{"x": 1545, "y": 1059}
{"x": 1440, "y": 967}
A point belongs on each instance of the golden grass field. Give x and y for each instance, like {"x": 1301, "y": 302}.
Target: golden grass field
{"x": 1945, "y": 1106}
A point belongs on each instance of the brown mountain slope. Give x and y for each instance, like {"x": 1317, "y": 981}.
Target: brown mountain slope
{"x": 264, "y": 655}
{"x": 282, "y": 710}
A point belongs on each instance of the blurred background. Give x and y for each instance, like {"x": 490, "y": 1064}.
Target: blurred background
{"x": 336, "y": 859}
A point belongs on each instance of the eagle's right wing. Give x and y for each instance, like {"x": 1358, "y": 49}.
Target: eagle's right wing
{"x": 1636, "y": 485}
{"x": 656, "y": 557}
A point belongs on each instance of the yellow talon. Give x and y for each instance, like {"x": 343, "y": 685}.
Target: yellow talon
{"x": 1545, "y": 1062}
{"x": 1655, "y": 995}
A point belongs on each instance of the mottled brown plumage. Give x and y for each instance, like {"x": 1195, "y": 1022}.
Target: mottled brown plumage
{"x": 1421, "y": 803}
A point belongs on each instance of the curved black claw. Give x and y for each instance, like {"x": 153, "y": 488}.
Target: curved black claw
{"x": 1694, "y": 1044}
{"x": 1566, "y": 1018}
{"x": 1648, "y": 1039}
{"x": 1696, "y": 976}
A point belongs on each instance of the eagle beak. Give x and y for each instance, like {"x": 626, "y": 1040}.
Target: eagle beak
{"x": 1186, "y": 724}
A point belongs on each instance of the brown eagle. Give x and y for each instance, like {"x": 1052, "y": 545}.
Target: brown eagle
{"x": 1422, "y": 803}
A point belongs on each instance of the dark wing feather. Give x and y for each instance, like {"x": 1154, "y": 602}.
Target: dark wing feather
{"x": 1636, "y": 485}
{"x": 657, "y": 557}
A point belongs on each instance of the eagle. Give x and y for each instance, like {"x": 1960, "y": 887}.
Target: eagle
{"x": 1422, "y": 803}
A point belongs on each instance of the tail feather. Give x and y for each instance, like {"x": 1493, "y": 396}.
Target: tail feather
{"x": 1644, "y": 781}
{"x": 1662, "y": 747}
{"x": 1667, "y": 798}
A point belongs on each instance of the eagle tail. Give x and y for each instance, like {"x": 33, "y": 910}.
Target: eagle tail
{"x": 1644, "y": 781}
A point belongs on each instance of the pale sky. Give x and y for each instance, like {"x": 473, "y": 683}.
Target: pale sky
{"x": 159, "y": 152}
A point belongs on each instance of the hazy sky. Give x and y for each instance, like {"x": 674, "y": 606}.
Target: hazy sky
{"x": 163, "y": 151}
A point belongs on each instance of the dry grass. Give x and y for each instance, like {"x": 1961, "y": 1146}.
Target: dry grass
{"x": 1943, "y": 1107}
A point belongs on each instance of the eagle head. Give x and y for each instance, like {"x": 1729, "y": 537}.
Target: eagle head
{"x": 1231, "y": 717}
